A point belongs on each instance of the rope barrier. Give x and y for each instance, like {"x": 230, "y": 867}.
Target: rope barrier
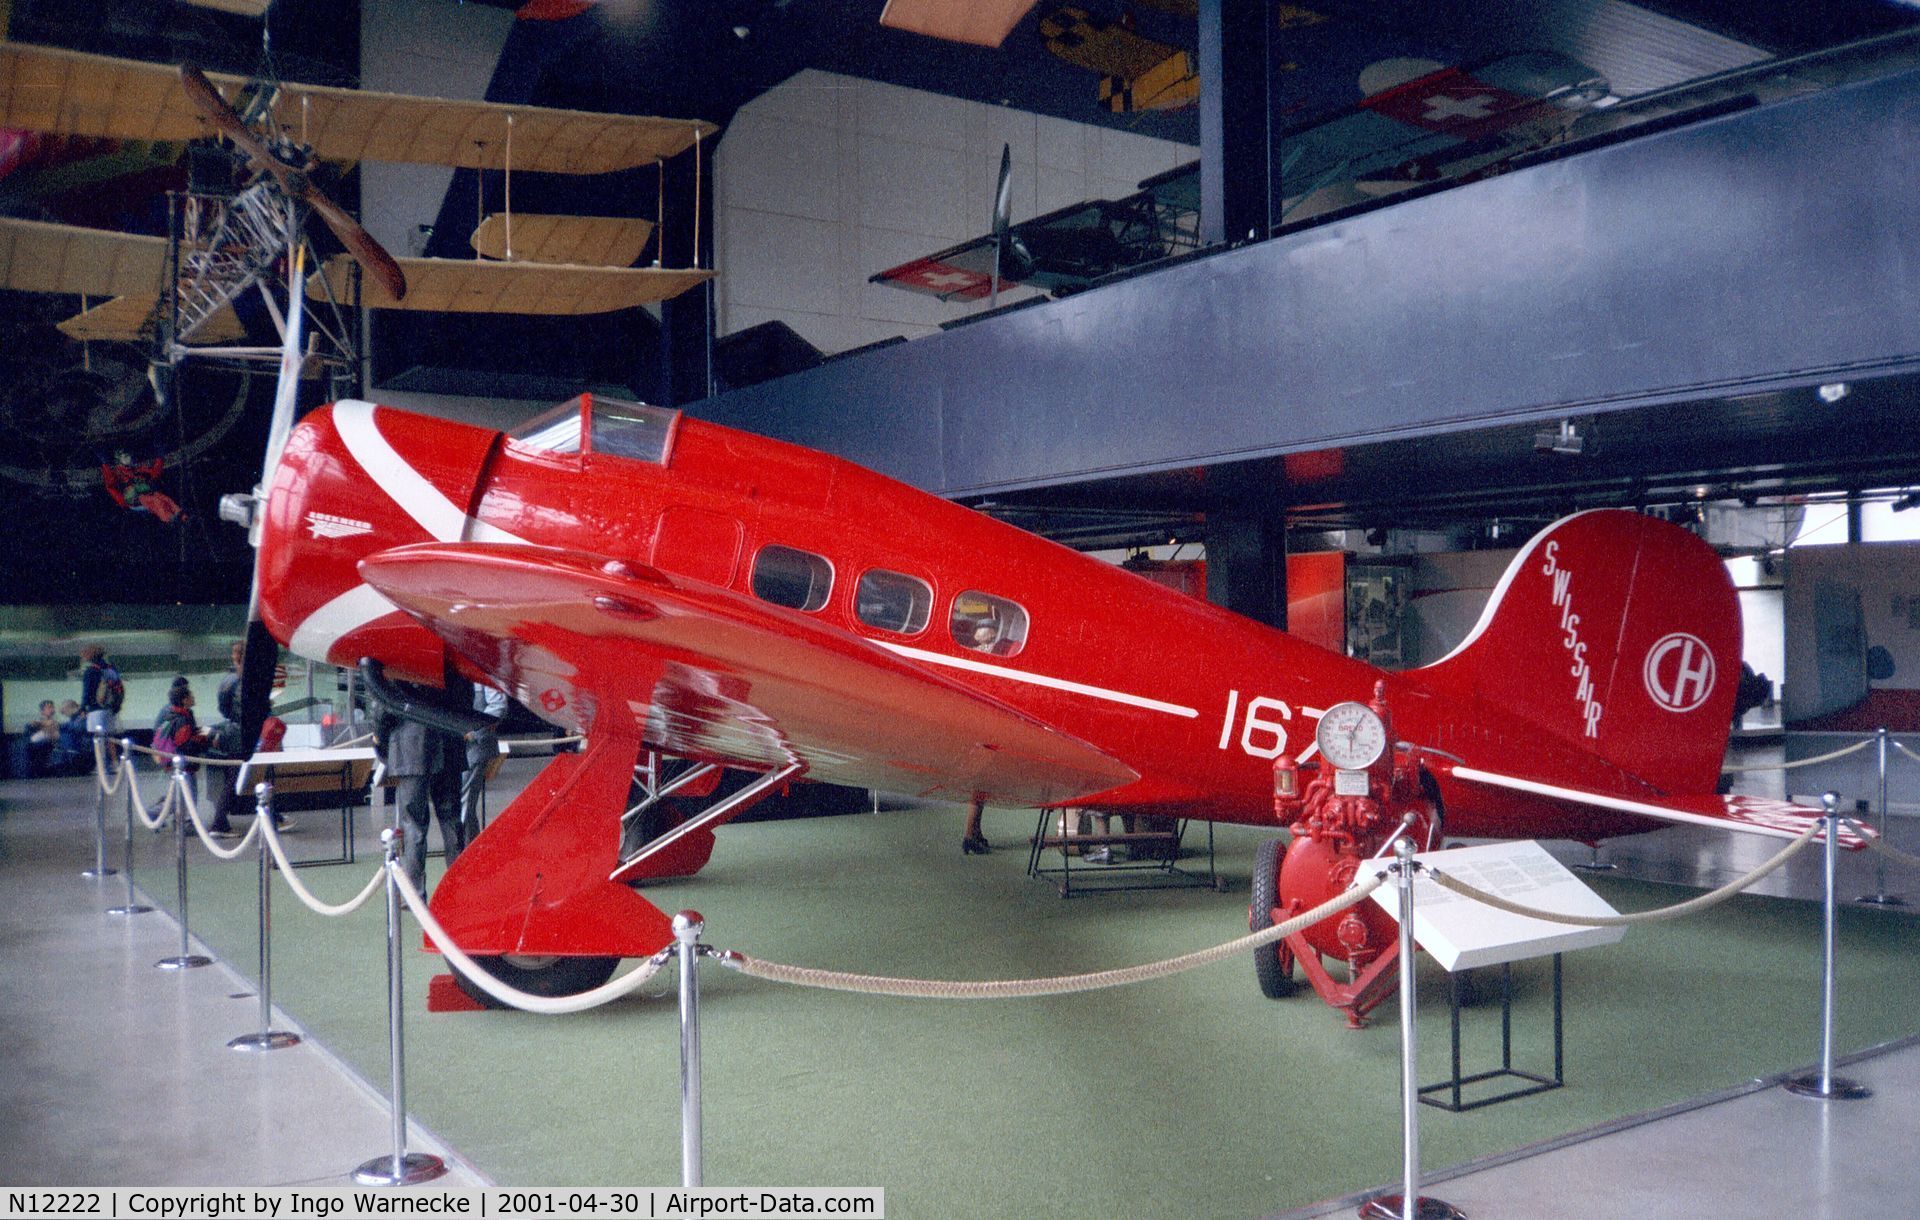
{"x": 984, "y": 989}
{"x": 314, "y": 903}
{"x": 613, "y": 989}
{"x": 1842, "y": 752}
{"x": 206, "y": 838}
{"x": 158, "y": 818}
{"x": 1902, "y": 747}
{"x": 100, "y": 769}
{"x": 1881, "y": 845}
{"x": 1712, "y": 898}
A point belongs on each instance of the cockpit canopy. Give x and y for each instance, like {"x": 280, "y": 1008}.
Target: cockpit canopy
{"x": 593, "y": 423}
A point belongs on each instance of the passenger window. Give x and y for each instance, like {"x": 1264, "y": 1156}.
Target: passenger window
{"x": 987, "y": 623}
{"x": 787, "y": 577}
{"x": 893, "y": 601}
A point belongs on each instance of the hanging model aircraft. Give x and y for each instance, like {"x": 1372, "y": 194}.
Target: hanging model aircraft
{"x": 285, "y": 128}
{"x": 663, "y": 584}
{"x": 1444, "y": 125}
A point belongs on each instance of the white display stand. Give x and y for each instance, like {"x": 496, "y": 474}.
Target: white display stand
{"x": 342, "y": 771}
{"x": 1460, "y": 933}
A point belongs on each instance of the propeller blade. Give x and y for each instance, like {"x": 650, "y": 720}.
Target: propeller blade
{"x": 359, "y": 243}
{"x": 227, "y": 121}
{"x": 1003, "y": 192}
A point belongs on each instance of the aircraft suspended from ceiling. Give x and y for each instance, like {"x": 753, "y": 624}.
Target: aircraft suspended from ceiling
{"x": 1420, "y": 123}
{"x": 529, "y": 265}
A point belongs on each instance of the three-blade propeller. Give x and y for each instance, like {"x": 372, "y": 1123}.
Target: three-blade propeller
{"x": 294, "y": 182}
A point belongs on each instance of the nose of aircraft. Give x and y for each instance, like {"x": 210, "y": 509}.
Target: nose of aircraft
{"x": 355, "y": 480}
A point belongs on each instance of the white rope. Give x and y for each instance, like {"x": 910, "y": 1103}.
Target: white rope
{"x": 1842, "y": 752}
{"x": 995, "y": 989}
{"x": 158, "y": 818}
{"x": 100, "y": 769}
{"x": 1882, "y": 846}
{"x": 200, "y": 827}
{"x": 525, "y": 1001}
{"x": 1712, "y": 898}
{"x": 264, "y": 824}
{"x": 1902, "y": 747}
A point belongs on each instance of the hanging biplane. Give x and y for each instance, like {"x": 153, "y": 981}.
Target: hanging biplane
{"x": 668, "y": 586}
{"x": 553, "y": 265}
{"x": 1450, "y": 124}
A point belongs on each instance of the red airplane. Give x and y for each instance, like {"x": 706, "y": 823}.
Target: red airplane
{"x": 663, "y": 584}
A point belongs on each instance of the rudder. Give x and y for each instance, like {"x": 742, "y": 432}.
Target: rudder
{"x": 1615, "y": 631}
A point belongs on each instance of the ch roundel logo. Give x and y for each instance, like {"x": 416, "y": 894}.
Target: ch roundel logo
{"x": 1679, "y": 671}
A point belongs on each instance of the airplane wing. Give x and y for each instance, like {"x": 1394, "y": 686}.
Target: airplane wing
{"x": 708, "y": 673}
{"x": 50, "y": 89}
{"x": 1752, "y": 814}
{"x": 591, "y": 241}
{"x": 472, "y": 285}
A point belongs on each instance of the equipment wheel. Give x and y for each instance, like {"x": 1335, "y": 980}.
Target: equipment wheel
{"x": 1272, "y": 964}
{"x": 550, "y": 976}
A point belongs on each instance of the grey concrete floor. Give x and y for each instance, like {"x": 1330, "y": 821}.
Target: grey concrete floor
{"x": 118, "y": 1073}
{"x": 113, "y": 1072}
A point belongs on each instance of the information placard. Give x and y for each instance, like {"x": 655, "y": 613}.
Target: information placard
{"x": 1460, "y": 933}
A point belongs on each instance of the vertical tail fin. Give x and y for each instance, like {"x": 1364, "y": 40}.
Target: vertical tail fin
{"x": 1615, "y": 631}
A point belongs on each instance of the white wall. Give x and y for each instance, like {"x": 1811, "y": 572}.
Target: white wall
{"x": 826, "y": 179}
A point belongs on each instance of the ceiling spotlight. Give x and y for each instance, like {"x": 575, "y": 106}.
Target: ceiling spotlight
{"x": 1905, "y": 502}
{"x": 1566, "y": 439}
{"x": 1833, "y": 391}
{"x": 741, "y": 32}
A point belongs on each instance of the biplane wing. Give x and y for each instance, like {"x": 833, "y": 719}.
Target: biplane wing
{"x": 458, "y": 285}
{"x": 50, "y": 89}
{"x": 983, "y": 25}
{"x": 713, "y": 674}
{"x": 129, "y": 269}
{"x": 594, "y": 241}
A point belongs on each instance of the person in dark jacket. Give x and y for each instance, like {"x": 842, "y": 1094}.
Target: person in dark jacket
{"x": 425, "y": 764}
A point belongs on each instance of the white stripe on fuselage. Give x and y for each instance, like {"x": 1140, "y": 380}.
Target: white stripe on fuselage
{"x": 350, "y": 611}
{"x": 1031, "y": 679}
{"x": 411, "y": 490}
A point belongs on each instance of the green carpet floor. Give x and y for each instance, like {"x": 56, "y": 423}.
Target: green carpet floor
{"x": 1184, "y": 1096}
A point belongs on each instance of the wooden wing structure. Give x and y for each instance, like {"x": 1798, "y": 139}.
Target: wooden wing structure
{"x": 557, "y": 264}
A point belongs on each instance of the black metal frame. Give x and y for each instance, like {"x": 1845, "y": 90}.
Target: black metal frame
{"x": 1168, "y": 873}
{"x": 1536, "y": 1083}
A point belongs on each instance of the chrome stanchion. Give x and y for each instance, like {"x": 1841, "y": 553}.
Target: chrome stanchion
{"x": 1880, "y": 897}
{"x": 400, "y": 1167}
{"x": 687, "y": 926}
{"x": 1409, "y": 1204}
{"x": 269, "y": 1038}
{"x": 129, "y": 905}
{"x": 1823, "y": 1084}
{"x": 186, "y": 959}
{"x": 100, "y": 868}
{"x": 1595, "y": 861}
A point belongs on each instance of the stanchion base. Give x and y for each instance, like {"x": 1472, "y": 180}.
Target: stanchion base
{"x": 94, "y": 874}
{"x": 270, "y": 1040}
{"x": 1388, "y": 1207}
{"x": 1839, "y": 1088}
{"x": 135, "y": 909}
{"x": 414, "y": 1167}
{"x": 186, "y": 961}
{"x": 1881, "y": 900}
{"x": 1596, "y": 866}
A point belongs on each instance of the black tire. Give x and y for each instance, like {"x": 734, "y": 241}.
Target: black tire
{"x": 1272, "y": 964}
{"x": 551, "y": 977}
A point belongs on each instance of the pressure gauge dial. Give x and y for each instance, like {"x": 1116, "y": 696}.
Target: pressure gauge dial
{"x": 1351, "y": 736}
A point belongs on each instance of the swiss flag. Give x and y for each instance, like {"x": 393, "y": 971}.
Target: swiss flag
{"x": 1452, "y": 102}
{"x": 943, "y": 280}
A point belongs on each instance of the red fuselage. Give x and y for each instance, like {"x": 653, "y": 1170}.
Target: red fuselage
{"x": 1193, "y": 699}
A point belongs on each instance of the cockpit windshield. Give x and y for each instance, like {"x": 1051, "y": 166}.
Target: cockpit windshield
{"x": 613, "y": 426}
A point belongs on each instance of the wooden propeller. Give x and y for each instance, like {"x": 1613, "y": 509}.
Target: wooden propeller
{"x": 294, "y": 181}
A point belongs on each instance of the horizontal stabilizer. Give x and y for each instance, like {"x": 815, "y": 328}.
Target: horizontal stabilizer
{"x": 1751, "y": 814}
